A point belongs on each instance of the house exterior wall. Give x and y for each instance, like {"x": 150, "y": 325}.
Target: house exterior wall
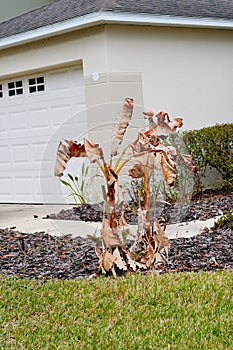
{"x": 187, "y": 72}
{"x": 105, "y": 90}
{"x": 12, "y": 8}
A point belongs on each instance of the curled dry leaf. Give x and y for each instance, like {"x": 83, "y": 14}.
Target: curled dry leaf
{"x": 65, "y": 151}
{"x": 122, "y": 222}
{"x": 149, "y": 115}
{"x": 121, "y": 124}
{"x": 154, "y": 140}
{"x": 175, "y": 123}
{"x": 100, "y": 257}
{"x": 150, "y": 256}
{"x": 161, "y": 116}
{"x": 141, "y": 144}
{"x": 137, "y": 171}
{"x": 98, "y": 252}
{"x": 109, "y": 236}
{"x": 131, "y": 263}
{"x": 162, "y": 239}
{"x": 119, "y": 260}
{"x": 168, "y": 169}
{"x": 93, "y": 150}
{"x": 146, "y": 159}
{"x": 187, "y": 161}
{"x": 123, "y": 228}
{"x": 108, "y": 260}
{"x": 163, "y": 127}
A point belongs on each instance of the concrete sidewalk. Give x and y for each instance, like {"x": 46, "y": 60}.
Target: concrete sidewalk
{"x": 29, "y": 219}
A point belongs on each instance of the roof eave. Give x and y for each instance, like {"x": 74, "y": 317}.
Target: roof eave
{"x": 112, "y": 18}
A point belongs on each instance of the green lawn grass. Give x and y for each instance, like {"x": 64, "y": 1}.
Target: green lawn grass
{"x": 171, "y": 311}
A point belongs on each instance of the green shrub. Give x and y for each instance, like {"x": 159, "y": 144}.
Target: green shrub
{"x": 213, "y": 147}
{"x": 225, "y": 221}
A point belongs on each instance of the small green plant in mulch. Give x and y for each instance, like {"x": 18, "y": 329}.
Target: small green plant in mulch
{"x": 225, "y": 221}
{"x": 78, "y": 187}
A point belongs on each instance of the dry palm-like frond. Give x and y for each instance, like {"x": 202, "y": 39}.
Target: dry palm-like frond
{"x": 93, "y": 150}
{"x": 162, "y": 239}
{"x": 107, "y": 261}
{"x": 168, "y": 168}
{"x": 137, "y": 171}
{"x": 137, "y": 146}
{"x": 121, "y": 124}
{"x": 174, "y": 156}
{"x": 187, "y": 160}
{"x": 162, "y": 116}
{"x": 148, "y": 153}
{"x": 123, "y": 227}
{"x": 150, "y": 116}
{"x": 145, "y": 158}
{"x": 100, "y": 256}
{"x": 163, "y": 244}
{"x": 175, "y": 124}
{"x": 120, "y": 263}
{"x": 149, "y": 257}
{"x": 164, "y": 125}
{"x": 130, "y": 262}
{"x": 65, "y": 151}
{"x": 109, "y": 235}
{"x": 151, "y": 251}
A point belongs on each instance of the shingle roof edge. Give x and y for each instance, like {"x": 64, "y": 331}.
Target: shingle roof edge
{"x": 105, "y": 17}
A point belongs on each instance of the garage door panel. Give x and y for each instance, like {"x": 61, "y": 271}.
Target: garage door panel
{"x": 23, "y": 185}
{"x": 22, "y": 154}
{"x": 31, "y": 127}
{"x": 39, "y": 120}
{"x": 5, "y": 186}
{"x": 58, "y": 113}
{"x": 38, "y": 152}
{"x": 3, "y": 125}
{"x": 4, "y": 156}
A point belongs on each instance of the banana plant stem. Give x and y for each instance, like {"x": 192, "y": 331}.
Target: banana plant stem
{"x": 118, "y": 162}
{"x": 122, "y": 166}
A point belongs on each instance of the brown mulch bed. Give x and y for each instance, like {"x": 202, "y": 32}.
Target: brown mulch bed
{"x": 175, "y": 213}
{"x": 42, "y": 256}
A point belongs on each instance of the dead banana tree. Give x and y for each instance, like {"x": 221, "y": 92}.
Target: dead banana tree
{"x": 147, "y": 153}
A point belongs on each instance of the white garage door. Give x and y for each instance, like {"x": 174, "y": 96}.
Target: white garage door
{"x": 36, "y": 111}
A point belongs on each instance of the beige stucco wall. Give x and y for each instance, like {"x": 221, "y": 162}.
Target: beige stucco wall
{"x": 104, "y": 95}
{"x": 187, "y": 72}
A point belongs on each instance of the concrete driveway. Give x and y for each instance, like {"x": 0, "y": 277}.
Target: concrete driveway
{"x": 31, "y": 218}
